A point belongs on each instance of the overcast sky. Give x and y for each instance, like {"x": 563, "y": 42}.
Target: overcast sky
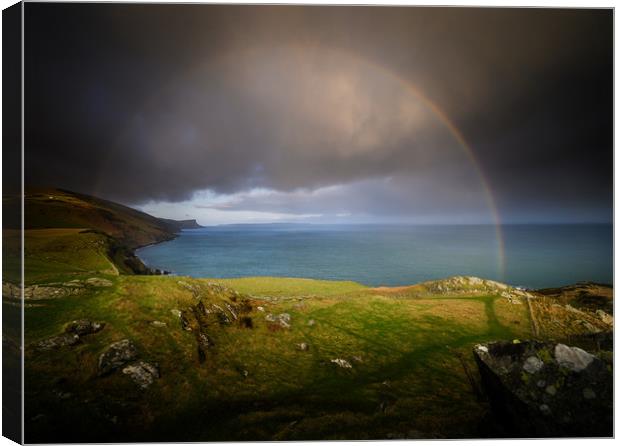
{"x": 324, "y": 114}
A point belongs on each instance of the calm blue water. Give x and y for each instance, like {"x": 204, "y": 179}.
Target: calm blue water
{"x": 535, "y": 255}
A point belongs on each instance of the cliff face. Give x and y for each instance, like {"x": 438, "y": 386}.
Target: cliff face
{"x": 182, "y": 224}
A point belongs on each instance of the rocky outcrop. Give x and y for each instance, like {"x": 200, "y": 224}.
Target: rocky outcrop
{"x": 54, "y": 290}
{"x": 466, "y": 285}
{"x": 55, "y": 342}
{"x": 83, "y": 327}
{"x": 215, "y": 305}
{"x": 117, "y": 355}
{"x": 73, "y": 332}
{"x": 539, "y": 389}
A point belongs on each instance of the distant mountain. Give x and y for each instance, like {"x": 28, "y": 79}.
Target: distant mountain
{"x": 182, "y": 224}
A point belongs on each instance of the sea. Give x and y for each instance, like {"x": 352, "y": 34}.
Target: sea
{"x": 530, "y": 256}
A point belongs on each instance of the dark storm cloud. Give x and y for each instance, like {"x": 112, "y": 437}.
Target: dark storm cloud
{"x": 139, "y": 103}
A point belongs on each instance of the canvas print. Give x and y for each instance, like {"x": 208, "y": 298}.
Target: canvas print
{"x": 298, "y": 222}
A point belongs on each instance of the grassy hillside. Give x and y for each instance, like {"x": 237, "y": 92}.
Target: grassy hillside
{"x": 54, "y": 208}
{"x": 257, "y": 358}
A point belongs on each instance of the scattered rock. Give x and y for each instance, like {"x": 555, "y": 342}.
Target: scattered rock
{"x": 311, "y": 323}
{"x": 84, "y": 327}
{"x": 159, "y": 324}
{"x": 65, "y": 339}
{"x": 283, "y": 319}
{"x": 260, "y": 308}
{"x": 117, "y": 355}
{"x": 342, "y": 363}
{"x": 176, "y": 312}
{"x": 142, "y": 373}
{"x": 303, "y": 347}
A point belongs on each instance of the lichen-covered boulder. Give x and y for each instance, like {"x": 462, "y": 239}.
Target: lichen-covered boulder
{"x": 63, "y": 340}
{"x": 83, "y": 327}
{"x": 117, "y": 355}
{"x": 142, "y": 373}
{"x": 539, "y": 389}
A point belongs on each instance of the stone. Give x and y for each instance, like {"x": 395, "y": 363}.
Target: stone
{"x": 99, "y": 282}
{"x": 185, "y": 322}
{"x": 117, "y": 355}
{"x": 176, "y": 312}
{"x": 65, "y": 339}
{"x": 573, "y": 358}
{"x": 260, "y": 308}
{"x": 551, "y": 390}
{"x": 533, "y": 364}
{"x": 342, "y": 363}
{"x": 311, "y": 323}
{"x": 303, "y": 347}
{"x": 606, "y": 318}
{"x": 204, "y": 344}
{"x": 142, "y": 373}
{"x": 84, "y": 327}
{"x": 546, "y": 410}
{"x": 283, "y": 319}
{"x": 159, "y": 324}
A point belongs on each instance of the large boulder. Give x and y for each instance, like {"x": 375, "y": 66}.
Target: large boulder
{"x": 83, "y": 327}
{"x": 117, "y": 355}
{"x": 540, "y": 389}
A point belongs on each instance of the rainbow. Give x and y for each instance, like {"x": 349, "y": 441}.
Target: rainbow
{"x": 458, "y": 136}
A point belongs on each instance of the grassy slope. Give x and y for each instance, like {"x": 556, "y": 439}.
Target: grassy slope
{"x": 408, "y": 378}
{"x": 53, "y": 208}
{"x": 408, "y": 347}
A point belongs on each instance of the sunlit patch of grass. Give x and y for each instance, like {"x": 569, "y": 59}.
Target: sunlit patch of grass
{"x": 286, "y": 287}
